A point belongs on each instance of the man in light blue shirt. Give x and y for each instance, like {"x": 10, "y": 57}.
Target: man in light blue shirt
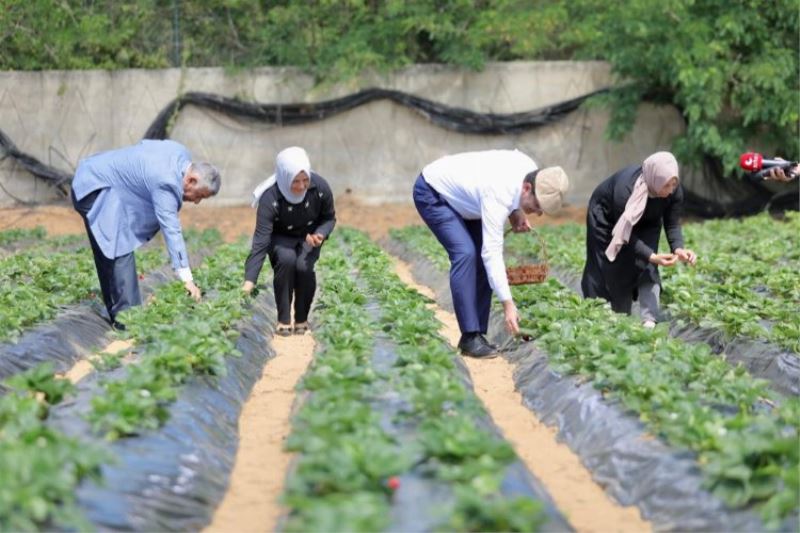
{"x": 125, "y": 196}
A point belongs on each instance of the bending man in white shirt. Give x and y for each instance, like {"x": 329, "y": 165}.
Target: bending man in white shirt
{"x": 465, "y": 200}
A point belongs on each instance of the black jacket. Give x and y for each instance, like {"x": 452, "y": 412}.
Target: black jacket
{"x": 601, "y": 277}
{"x": 315, "y": 214}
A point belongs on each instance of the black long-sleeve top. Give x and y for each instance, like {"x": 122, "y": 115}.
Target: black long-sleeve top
{"x": 603, "y": 278}
{"x": 275, "y": 215}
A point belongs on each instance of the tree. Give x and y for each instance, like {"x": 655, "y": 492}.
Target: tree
{"x": 730, "y": 67}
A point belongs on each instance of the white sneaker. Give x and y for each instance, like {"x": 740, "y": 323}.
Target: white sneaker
{"x": 648, "y": 324}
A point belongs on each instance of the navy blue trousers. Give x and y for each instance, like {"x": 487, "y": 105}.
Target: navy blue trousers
{"x": 463, "y": 239}
{"x": 117, "y": 276}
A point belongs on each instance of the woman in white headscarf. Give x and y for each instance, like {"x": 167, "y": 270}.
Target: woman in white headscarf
{"x": 623, "y": 225}
{"x": 295, "y": 216}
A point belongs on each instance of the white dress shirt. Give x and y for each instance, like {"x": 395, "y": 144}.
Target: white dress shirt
{"x": 487, "y": 186}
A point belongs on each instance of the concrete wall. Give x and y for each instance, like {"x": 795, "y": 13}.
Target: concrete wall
{"x": 374, "y": 151}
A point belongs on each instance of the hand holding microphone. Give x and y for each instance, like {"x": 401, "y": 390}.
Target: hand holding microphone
{"x": 775, "y": 169}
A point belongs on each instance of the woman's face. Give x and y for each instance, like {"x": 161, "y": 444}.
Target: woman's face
{"x": 300, "y": 183}
{"x": 669, "y": 188}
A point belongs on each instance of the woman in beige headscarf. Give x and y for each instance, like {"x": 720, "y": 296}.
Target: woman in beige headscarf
{"x": 623, "y": 225}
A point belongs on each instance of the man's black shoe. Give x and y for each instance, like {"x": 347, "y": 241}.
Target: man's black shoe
{"x": 473, "y": 345}
{"x": 118, "y": 326}
{"x": 487, "y": 343}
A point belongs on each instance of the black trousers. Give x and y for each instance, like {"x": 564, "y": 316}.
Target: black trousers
{"x": 118, "y": 281}
{"x": 293, "y": 261}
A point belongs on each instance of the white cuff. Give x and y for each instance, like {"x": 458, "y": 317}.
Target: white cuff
{"x": 503, "y": 293}
{"x": 185, "y": 274}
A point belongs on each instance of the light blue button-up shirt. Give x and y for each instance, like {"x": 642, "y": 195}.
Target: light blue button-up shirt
{"x": 141, "y": 192}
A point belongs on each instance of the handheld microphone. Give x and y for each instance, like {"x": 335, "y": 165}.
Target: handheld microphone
{"x": 759, "y": 167}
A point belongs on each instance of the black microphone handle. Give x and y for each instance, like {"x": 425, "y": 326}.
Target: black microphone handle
{"x": 773, "y": 163}
{"x": 766, "y": 170}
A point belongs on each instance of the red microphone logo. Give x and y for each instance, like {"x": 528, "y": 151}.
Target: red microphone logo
{"x": 751, "y": 161}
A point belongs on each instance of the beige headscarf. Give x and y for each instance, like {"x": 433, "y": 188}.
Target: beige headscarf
{"x": 657, "y": 170}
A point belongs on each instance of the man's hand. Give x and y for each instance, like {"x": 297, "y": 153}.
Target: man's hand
{"x": 778, "y": 174}
{"x": 315, "y": 239}
{"x": 248, "y": 286}
{"x": 685, "y": 255}
{"x": 193, "y": 290}
{"x": 512, "y": 317}
{"x": 665, "y": 260}
{"x": 519, "y": 222}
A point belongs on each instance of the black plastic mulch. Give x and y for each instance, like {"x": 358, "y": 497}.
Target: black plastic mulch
{"x": 421, "y": 501}
{"x": 634, "y": 467}
{"x": 76, "y": 332}
{"x": 761, "y": 359}
{"x": 173, "y": 478}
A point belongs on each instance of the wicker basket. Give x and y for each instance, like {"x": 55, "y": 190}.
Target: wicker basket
{"x": 531, "y": 273}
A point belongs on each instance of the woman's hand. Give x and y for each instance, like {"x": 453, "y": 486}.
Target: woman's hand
{"x": 314, "y": 239}
{"x": 512, "y": 317}
{"x": 686, "y": 256}
{"x": 248, "y": 286}
{"x": 664, "y": 260}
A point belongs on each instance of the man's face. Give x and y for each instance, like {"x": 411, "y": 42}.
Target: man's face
{"x": 528, "y": 202}
{"x": 191, "y": 191}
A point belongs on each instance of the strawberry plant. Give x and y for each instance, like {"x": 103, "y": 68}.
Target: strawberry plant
{"x": 41, "y": 467}
{"x": 455, "y": 448}
{"x": 11, "y": 236}
{"x": 177, "y": 339}
{"x": 345, "y": 457}
{"x": 744, "y": 283}
{"x": 748, "y": 454}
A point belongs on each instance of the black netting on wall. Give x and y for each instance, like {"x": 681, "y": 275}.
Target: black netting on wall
{"x": 709, "y": 195}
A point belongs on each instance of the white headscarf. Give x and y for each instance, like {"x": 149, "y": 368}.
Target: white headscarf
{"x": 288, "y": 164}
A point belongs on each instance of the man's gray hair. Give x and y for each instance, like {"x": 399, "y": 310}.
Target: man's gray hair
{"x": 207, "y": 176}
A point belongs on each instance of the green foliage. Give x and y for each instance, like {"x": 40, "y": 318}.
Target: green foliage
{"x": 38, "y": 281}
{"x": 334, "y": 39}
{"x": 744, "y": 283}
{"x": 351, "y": 456}
{"x": 41, "y": 467}
{"x": 731, "y": 68}
{"x": 683, "y": 392}
{"x": 41, "y": 380}
{"x": 345, "y": 456}
{"x": 475, "y": 512}
{"x": 452, "y": 445}
{"x": 40, "y": 34}
{"x": 178, "y": 339}
{"x": 12, "y": 236}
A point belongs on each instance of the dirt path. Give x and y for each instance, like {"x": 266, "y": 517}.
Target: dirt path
{"x": 83, "y": 367}
{"x": 583, "y": 502}
{"x": 251, "y": 503}
{"x": 235, "y": 221}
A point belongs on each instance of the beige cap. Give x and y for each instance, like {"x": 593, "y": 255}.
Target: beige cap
{"x": 552, "y": 184}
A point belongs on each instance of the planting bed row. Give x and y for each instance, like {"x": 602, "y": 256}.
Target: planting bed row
{"x": 146, "y": 442}
{"x": 390, "y": 435}
{"x": 52, "y": 309}
{"x": 741, "y": 298}
{"x": 664, "y": 424}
